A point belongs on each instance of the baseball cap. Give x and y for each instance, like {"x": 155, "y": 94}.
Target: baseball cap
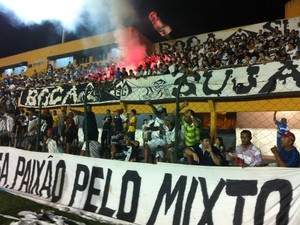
{"x": 289, "y": 135}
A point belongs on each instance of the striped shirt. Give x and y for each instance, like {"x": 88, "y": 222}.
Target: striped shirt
{"x": 251, "y": 155}
{"x": 191, "y": 133}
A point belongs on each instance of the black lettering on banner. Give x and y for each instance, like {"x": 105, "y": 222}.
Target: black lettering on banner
{"x": 84, "y": 170}
{"x": 105, "y": 210}
{"x": 209, "y": 203}
{"x": 4, "y": 168}
{"x": 165, "y": 190}
{"x": 97, "y": 172}
{"x": 26, "y": 177}
{"x": 59, "y": 181}
{"x": 207, "y": 90}
{"x": 32, "y": 177}
{"x": 36, "y": 179}
{"x": 189, "y": 202}
{"x": 130, "y": 176}
{"x": 47, "y": 184}
{"x": 240, "y": 188}
{"x": 285, "y": 189}
{"x": 19, "y": 170}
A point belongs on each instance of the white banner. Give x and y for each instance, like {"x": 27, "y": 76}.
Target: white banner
{"x": 258, "y": 81}
{"x": 156, "y": 194}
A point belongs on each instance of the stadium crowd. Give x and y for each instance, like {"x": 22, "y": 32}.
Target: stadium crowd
{"x": 59, "y": 132}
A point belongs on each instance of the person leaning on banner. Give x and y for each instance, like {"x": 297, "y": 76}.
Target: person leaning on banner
{"x": 287, "y": 155}
{"x": 204, "y": 154}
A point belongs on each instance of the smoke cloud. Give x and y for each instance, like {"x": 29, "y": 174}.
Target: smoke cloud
{"x": 96, "y": 16}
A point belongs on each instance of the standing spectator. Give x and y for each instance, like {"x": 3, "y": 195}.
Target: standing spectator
{"x": 55, "y": 122}
{"x": 287, "y": 155}
{"x": 191, "y": 126}
{"x": 76, "y": 121}
{"x": 144, "y": 131}
{"x": 48, "y": 123}
{"x": 117, "y": 134}
{"x": 154, "y": 147}
{"x": 61, "y": 124}
{"x": 246, "y": 153}
{"x": 282, "y": 127}
{"x": 119, "y": 75}
{"x": 18, "y": 131}
{"x": 10, "y": 123}
{"x": 124, "y": 119}
{"x": 32, "y": 130}
{"x": 132, "y": 125}
{"x": 169, "y": 147}
{"x": 106, "y": 134}
{"x": 90, "y": 128}
{"x": 70, "y": 131}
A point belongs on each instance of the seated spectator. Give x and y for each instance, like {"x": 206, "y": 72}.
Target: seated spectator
{"x": 219, "y": 144}
{"x": 287, "y": 155}
{"x": 205, "y": 154}
{"x": 247, "y": 154}
{"x": 263, "y": 58}
{"x": 130, "y": 149}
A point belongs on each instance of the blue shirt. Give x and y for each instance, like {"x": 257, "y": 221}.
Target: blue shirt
{"x": 291, "y": 158}
{"x": 281, "y": 128}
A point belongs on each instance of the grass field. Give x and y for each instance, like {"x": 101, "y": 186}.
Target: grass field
{"x": 11, "y": 205}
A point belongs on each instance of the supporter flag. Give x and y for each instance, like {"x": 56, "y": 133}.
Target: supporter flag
{"x": 163, "y": 29}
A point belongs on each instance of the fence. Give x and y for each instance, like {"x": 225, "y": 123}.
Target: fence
{"x": 226, "y": 100}
{"x": 221, "y": 118}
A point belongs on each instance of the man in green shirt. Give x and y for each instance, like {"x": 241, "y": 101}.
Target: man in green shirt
{"x": 191, "y": 125}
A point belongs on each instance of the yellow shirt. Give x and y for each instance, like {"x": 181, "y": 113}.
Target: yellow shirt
{"x": 55, "y": 121}
{"x": 132, "y": 124}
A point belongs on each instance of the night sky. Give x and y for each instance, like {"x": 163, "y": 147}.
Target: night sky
{"x": 185, "y": 18}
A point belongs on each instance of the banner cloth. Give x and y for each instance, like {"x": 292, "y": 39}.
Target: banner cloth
{"x": 155, "y": 194}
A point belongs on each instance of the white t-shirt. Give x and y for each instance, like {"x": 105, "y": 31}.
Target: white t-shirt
{"x": 157, "y": 122}
{"x": 123, "y": 117}
{"x": 51, "y": 145}
{"x": 9, "y": 122}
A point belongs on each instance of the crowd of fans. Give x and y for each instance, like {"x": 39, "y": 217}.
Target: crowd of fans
{"x": 214, "y": 53}
{"x": 59, "y": 132}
